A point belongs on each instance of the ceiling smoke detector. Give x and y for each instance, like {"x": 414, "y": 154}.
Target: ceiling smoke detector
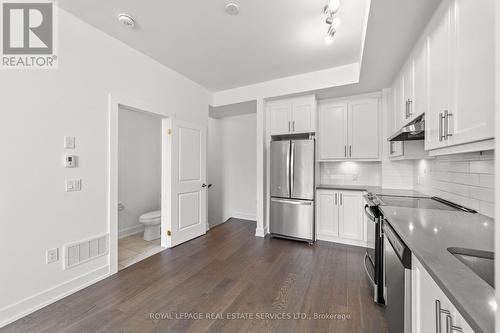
{"x": 126, "y": 20}
{"x": 232, "y": 9}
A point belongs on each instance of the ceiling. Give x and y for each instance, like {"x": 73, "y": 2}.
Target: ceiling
{"x": 394, "y": 26}
{"x": 267, "y": 40}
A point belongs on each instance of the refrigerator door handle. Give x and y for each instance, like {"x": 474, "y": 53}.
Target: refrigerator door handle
{"x": 292, "y": 168}
{"x": 293, "y": 202}
{"x": 288, "y": 170}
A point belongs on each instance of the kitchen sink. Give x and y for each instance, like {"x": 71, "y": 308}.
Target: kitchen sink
{"x": 482, "y": 263}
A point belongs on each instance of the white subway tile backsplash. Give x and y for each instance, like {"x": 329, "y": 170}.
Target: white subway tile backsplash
{"x": 483, "y": 166}
{"x": 466, "y": 179}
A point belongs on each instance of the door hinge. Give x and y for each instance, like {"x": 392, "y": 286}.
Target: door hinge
{"x": 169, "y": 131}
{"x": 169, "y": 233}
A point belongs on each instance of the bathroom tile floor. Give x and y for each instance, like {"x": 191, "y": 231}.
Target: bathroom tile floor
{"x": 134, "y": 248}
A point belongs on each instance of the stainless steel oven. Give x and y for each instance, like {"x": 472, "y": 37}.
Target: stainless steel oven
{"x": 373, "y": 261}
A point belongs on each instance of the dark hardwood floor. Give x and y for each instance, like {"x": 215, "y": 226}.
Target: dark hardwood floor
{"x": 227, "y": 273}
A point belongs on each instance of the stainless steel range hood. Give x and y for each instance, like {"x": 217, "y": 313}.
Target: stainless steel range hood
{"x": 414, "y": 130}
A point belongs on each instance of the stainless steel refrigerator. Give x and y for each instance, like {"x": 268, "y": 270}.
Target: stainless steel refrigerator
{"x": 292, "y": 189}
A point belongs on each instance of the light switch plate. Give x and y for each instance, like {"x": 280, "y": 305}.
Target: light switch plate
{"x": 69, "y": 142}
{"x": 73, "y": 185}
{"x": 52, "y": 255}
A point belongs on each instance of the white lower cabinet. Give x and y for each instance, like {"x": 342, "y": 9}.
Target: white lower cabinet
{"x": 431, "y": 309}
{"x": 340, "y": 217}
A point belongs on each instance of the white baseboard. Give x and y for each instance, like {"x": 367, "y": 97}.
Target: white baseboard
{"x": 130, "y": 231}
{"x": 339, "y": 240}
{"x": 243, "y": 216}
{"x": 30, "y": 304}
{"x": 261, "y": 232}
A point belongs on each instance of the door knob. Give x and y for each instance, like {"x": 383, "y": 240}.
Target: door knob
{"x": 209, "y": 185}
{"x": 204, "y": 185}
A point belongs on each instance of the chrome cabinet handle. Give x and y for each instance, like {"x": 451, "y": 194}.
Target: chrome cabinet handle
{"x": 293, "y": 126}
{"x": 350, "y": 151}
{"x": 340, "y": 199}
{"x": 289, "y": 127}
{"x": 390, "y": 148}
{"x": 441, "y": 121}
{"x": 335, "y": 198}
{"x": 439, "y": 311}
{"x": 446, "y": 117}
{"x": 410, "y": 108}
{"x": 450, "y": 327}
{"x": 345, "y": 151}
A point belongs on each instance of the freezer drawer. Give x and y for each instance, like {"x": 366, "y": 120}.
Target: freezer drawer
{"x": 292, "y": 218}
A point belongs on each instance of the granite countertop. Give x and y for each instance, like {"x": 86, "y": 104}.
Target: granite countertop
{"x": 429, "y": 233}
{"x": 372, "y": 189}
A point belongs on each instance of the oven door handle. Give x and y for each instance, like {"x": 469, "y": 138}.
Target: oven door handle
{"x": 366, "y": 269}
{"x": 369, "y": 214}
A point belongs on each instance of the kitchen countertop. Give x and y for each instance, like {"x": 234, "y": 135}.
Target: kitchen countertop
{"x": 429, "y": 233}
{"x": 372, "y": 189}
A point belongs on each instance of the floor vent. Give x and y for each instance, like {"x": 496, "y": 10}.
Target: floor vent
{"x": 78, "y": 253}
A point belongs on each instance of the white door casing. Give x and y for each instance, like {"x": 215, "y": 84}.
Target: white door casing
{"x": 188, "y": 179}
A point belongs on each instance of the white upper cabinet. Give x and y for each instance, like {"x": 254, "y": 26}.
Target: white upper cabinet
{"x": 419, "y": 102}
{"x": 440, "y": 69}
{"x": 349, "y": 130}
{"x": 292, "y": 116}
{"x": 363, "y": 129}
{"x": 281, "y": 114}
{"x": 407, "y": 84}
{"x": 472, "y": 115}
{"x": 332, "y": 123}
{"x": 460, "y": 42}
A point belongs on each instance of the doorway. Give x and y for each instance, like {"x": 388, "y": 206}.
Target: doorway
{"x": 139, "y": 185}
{"x": 183, "y": 177}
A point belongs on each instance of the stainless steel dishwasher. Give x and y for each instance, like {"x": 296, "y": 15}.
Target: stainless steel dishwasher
{"x": 397, "y": 282}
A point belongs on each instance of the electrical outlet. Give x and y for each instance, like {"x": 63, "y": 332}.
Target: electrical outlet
{"x": 52, "y": 255}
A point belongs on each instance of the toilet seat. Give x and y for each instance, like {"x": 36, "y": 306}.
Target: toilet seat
{"x": 150, "y": 217}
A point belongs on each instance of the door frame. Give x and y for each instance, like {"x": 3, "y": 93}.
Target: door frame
{"x": 115, "y": 102}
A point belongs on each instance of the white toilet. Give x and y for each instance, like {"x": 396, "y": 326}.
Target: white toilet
{"x": 152, "y": 223}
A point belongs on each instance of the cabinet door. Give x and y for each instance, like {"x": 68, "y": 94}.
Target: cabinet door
{"x": 473, "y": 113}
{"x": 332, "y": 138}
{"x": 280, "y": 113}
{"x": 408, "y": 90}
{"x": 363, "y": 129}
{"x": 439, "y": 75}
{"x": 351, "y": 215}
{"x": 303, "y": 116}
{"x": 425, "y": 293}
{"x": 419, "y": 101}
{"x": 327, "y": 213}
{"x": 399, "y": 104}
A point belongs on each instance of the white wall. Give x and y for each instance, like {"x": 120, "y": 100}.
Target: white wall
{"x": 466, "y": 179}
{"x": 37, "y": 108}
{"x": 139, "y": 168}
{"x": 232, "y": 168}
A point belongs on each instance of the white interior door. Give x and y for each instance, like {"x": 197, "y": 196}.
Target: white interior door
{"x": 188, "y": 175}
